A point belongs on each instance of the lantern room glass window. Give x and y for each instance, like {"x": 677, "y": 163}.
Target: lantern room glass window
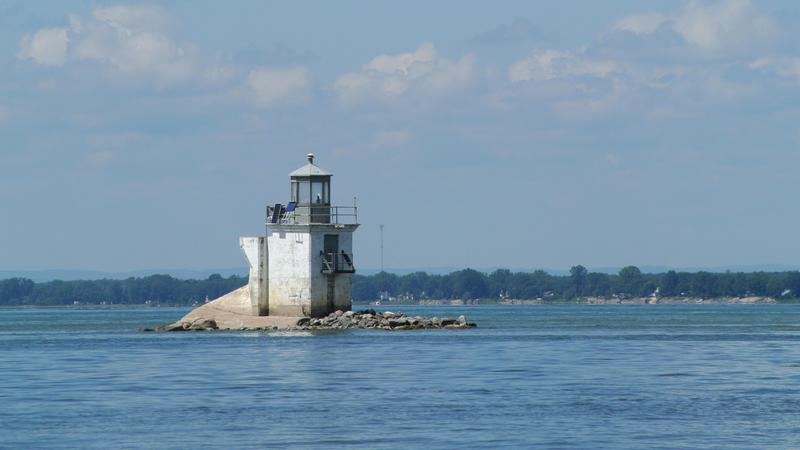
{"x": 303, "y": 192}
{"x": 306, "y": 192}
{"x": 318, "y": 192}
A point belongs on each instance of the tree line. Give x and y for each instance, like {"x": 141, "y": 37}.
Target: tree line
{"x": 156, "y": 289}
{"x": 462, "y": 284}
{"x": 629, "y": 282}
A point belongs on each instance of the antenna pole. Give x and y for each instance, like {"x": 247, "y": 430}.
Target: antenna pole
{"x": 381, "y": 247}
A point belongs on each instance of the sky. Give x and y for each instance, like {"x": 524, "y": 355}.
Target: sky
{"x": 518, "y": 134}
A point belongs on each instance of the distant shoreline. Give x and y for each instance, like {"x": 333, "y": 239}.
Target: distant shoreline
{"x": 474, "y": 302}
{"x": 596, "y": 301}
{"x": 93, "y": 306}
{"x": 630, "y": 286}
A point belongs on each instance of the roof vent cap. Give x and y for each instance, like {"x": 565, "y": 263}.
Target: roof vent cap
{"x": 310, "y": 157}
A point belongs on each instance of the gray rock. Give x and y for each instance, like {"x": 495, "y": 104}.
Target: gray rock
{"x": 398, "y": 322}
{"x": 369, "y": 319}
{"x": 178, "y": 326}
{"x": 200, "y": 325}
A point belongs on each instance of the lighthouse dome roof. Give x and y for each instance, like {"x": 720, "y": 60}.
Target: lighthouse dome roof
{"x": 310, "y": 170}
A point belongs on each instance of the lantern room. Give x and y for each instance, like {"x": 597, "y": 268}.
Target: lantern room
{"x": 311, "y": 192}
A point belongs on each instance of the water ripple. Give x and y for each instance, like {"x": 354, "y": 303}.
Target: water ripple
{"x": 562, "y": 376}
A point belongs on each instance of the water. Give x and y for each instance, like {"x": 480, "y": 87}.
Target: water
{"x": 562, "y": 376}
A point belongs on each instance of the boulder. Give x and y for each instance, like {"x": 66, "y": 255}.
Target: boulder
{"x": 398, "y": 322}
{"x": 177, "y": 326}
{"x": 195, "y": 325}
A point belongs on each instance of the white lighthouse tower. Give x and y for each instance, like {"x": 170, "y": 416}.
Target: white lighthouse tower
{"x": 304, "y": 265}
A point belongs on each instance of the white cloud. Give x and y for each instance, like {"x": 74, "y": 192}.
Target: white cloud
{"x": 684, "y": 58}
{"x": 644, "y": 23}
{"x": 709, "y": 27}
{"x": 716, "y": 85}
{"x": 47, "y": 47}
{"x": 573, "y": 85}
{"x": 725, "y": 24}
{"x": 591, "y": 104}
{"x": 98, "y": 158}
{"x": 131, "y": 41}
{"x": 402, "y": 62}
{"x": 391, "y": 77}
{"x": 786, "y": 66}
{"x": 140, "y": 17}
{"x": 544, "y": 65}
{"x": 273, "y": 86}
{"x": 105, "y": 149}
{"x": 391, "y": 138}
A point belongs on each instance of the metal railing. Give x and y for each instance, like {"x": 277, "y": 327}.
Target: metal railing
{"x": 312, "y": 214}
{"x": 337, "y": 262}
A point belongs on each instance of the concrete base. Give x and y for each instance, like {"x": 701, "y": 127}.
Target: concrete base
{"x": 233, "y": 311}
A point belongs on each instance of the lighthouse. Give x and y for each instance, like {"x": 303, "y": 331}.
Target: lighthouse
{"x": 301, "y": 268}
{"x": 304, "y": 264}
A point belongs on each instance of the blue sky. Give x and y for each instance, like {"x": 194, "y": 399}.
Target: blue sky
{"x": 519, "y": 134}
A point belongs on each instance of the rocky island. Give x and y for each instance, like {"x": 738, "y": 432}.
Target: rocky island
{"x": 301, "y": 271}
{"x": 338, "y": 320}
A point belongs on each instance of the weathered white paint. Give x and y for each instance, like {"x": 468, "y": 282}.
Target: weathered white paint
{"x": 297, "y": 285}
{"x": 255, "y": 250}
{"x": 290, "y": 271}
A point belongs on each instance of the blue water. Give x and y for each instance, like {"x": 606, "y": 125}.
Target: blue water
{"x": 563, "y": 376}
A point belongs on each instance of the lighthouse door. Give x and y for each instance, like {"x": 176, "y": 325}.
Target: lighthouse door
{"x": 331, "y": 245}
